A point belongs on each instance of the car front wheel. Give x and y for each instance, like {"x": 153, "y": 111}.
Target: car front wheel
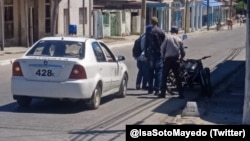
{"x": 123, "y": 87}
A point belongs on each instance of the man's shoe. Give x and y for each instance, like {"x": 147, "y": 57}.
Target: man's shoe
{"x": 137, "y": 87}
{"x": 162, "y": 95}
{"x": 156, "y": 93}
{"x": 181, "y": 97}
{"x": 144, "y": 87}
{"x": 150, "y": 92}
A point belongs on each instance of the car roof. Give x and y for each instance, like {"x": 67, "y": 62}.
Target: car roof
{"x": 68, "y": 38}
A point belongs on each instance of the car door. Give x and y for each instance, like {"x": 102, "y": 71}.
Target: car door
{"x": 115, "y": 78}
{"x": 103, "y": 66}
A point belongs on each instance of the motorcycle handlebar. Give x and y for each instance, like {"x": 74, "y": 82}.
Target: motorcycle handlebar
{"x": 205, "y": 57}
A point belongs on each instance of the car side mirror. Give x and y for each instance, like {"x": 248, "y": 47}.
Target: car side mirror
{"x": 120, "y": 58}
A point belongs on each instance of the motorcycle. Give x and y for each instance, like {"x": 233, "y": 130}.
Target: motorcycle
{"x": 192, "y": 72}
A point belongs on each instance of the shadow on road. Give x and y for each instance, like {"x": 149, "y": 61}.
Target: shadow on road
{"x": 52, "y": 106}
{"x": 225, "y": 106}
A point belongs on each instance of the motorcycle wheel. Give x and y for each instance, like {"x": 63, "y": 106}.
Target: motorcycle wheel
{"x": 206, "y": 83}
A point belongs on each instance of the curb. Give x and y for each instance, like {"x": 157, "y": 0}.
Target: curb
{"x": 6, "y": 62}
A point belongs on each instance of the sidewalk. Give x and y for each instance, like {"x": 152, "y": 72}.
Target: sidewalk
{"x": 224, "y": 108}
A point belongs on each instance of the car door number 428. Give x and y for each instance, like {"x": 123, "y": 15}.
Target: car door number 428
{"x": 44, "y": 72}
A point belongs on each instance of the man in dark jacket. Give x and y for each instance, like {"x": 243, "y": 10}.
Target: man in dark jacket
{"x": 154, "y": 39}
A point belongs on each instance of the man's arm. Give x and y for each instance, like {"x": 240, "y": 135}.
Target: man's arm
{"x": 182, "y": 51}
{"x": 147, "y": 43}
{"x": 163, "y": 48}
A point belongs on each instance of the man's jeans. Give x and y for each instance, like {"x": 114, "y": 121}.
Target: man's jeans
{"x": 142, "y": 75}
{"x": 155, "y": 74}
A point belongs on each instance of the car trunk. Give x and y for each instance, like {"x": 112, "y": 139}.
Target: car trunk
{"x": 46, "y": 69}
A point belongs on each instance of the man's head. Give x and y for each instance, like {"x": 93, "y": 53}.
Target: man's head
{"x": 154, "y": 20}
{"x": 149, "y": 28}
{"x": 174, "y": 30}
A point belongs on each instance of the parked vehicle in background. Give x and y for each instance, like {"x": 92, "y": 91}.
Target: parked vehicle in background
{"x": 71, "y": 67}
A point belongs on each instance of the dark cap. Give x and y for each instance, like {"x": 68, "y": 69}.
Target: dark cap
{"x": 174, "y": 29}
{"x": 154, "y": 20}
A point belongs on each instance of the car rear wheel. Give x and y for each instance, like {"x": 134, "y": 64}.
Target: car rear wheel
{"x": 95, "y": 100}
{"x": 123, "y": 87}
{"x": 24, "y": 101}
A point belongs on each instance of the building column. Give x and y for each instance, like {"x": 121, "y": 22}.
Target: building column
{"x": 188, "y": 18}
{"x": 197, "y": 16}
{"x": 160, "y": 11}
{"x": 183, "y": 19}
{"x": 201, "y": 14}
{"x": 193, "y": 16}
{"x": 212, "y": 16}
{"x": 2, "y": 24}
{"x": 169, "y": 17}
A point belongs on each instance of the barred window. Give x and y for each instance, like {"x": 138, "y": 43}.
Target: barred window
{"x": 47, "y": 16}
{"x": 83, "y": 13}
{"x": 123, "y": 16}
{"x": 8, "y": 19}
{"x": 105, "y": 18}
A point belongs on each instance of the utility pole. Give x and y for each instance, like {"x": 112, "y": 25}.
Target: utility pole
{"x": 83, "y": 17}
{"x": 246, "y": 107}
{"x": 143, "y": 16}
{"x": 230, "y": 11}
{"x": 55, "y": 17}
{"x": 90, "y": 17}
{"x": 208, "y": 20}
{"x": 68, "y": 15}
{"x": 27, "y": 22}
{"x": 2, "y": 23}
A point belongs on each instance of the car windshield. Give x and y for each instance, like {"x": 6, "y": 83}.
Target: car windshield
{"x": 58, "y": 48}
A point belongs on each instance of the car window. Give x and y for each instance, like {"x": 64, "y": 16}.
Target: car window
{"x": 57, "y": 48}
{"x": 109, "y": 55}
{"x": 100, "y": 56}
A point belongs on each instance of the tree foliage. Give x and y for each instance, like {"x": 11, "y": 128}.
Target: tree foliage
{"x": 241, "y": 5}
{"x": 241, "y": 0}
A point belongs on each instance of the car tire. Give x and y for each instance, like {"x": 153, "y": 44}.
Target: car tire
{"x": 24, "y": 101}
{"x": 95, "y": 101}
{"x": 123, "y": 87}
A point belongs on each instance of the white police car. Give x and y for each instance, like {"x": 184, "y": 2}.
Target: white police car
{"x": 68, "y": 68}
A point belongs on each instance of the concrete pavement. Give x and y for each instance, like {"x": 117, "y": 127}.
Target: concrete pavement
{"x": 206, "y": 117}
{"x": 224, "y": 108}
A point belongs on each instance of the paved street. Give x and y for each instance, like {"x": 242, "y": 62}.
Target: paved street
{"x": 56, "y": 121}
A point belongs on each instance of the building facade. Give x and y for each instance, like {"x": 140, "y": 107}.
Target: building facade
{"x": 23, "y": 22}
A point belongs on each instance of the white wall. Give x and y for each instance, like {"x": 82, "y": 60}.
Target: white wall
{"x": 74, "y": 17}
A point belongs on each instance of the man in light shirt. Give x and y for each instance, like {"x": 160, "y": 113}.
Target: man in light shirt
{"x": 172, "y": 51}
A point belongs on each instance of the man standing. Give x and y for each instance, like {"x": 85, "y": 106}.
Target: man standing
{"x": 172, "y": 51}
{"x": 142, "y": 65}
{"x": 154, "y": 39}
